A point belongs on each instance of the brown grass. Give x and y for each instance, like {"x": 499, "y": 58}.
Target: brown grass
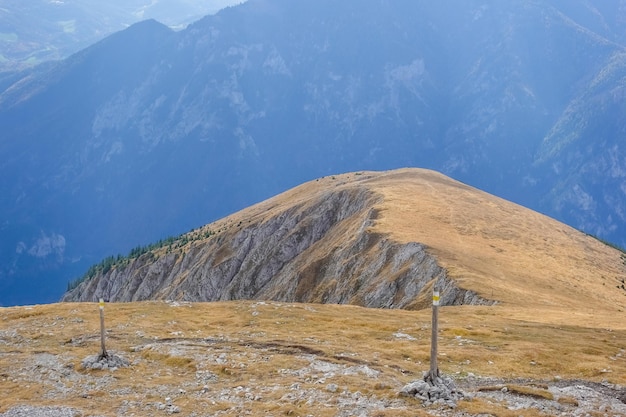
{"x": 169, "y": 360}
{"x": 529, "y": 391}
{"x": 560, "y": 315}
{"x": 568, "y": 401}
{"x": 265, "y": 344}
{"x": 482, "y": 407}
{"x": 536, "y": 266}
{"x": 499, "y": 249}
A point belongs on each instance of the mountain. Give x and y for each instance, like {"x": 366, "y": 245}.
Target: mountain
{"x": 551, "y": 344}
{"x": 153, "y": 132}
{"x": 42, "y": 30}
{"x": 374, "y": 239}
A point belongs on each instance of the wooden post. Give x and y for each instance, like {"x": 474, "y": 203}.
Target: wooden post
{"x": 434, "y": 369}
{"x": 103, "y": 351}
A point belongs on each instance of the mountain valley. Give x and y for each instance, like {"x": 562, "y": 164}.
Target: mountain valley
{"x": 152, "y": 132}
{"x": 37, "y": 31}
{"x": 286, "y": 137}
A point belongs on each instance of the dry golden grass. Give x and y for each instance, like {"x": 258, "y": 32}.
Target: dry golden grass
{"x": 482, "y": 407}
{"x": 268, "y": 345}
{"x": 568, "y": 401}
{"x": 560, "y": 316}
{"x": 530, "y": 391}
{"x": 499, "y": 249}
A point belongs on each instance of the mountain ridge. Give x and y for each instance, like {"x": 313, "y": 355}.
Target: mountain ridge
{"x": 376, "y": 239}
{"x": 143, "y": 139}
{"x": 53, "y": 30}
{"x": 282, "y": 256}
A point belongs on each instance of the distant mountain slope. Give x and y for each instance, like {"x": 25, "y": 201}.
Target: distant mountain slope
{"x": 153, "y": 132}
{"x": 375, "y": 240}
{"x": 35, "y": 31}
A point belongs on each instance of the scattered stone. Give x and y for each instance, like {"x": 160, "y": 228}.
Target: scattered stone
{"x": 173, "y": 409}
{"x": 400, "y": 335}
{"x": 62, "y": 380}
{"x": 622, "y": 396}
{"x": 168, "y": 408}
{"x": 443, "y": 391}
{"x": 28, "y": 411}
{"x": 110, "y": 362}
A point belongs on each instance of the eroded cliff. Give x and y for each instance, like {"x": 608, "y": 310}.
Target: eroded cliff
{"x": 313, "y": 244}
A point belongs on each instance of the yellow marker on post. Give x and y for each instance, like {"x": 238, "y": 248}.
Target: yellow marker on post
{"x": 435, "y": 298}
{"x": 101, "y": 303}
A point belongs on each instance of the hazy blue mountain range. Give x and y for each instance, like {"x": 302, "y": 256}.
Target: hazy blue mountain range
{"x": 151, "y": 132}
{"x": 33, "y": 31}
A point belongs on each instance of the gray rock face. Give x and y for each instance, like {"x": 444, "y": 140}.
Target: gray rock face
{"x": 322, "y": 251}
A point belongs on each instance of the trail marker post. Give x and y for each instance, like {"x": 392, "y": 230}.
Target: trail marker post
{"x": 103, "y": 351}
{"x": 433, "y": 374}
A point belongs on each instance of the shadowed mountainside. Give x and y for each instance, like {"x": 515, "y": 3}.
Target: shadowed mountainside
{"x": 152, "y": 132}
{"x": 553, "y": 344}
{"x": 37, "y": 31}
{"x": 375, "y": 239}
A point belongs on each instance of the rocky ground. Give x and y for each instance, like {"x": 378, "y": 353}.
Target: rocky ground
{"x": 255, "y": 360}
{"x": 317, "y": 387}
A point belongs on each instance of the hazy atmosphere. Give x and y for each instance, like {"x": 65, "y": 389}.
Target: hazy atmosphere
{"x": 40, "y": 30}
{"x": 138, "y": 132}
{"x": 320, "y": 208}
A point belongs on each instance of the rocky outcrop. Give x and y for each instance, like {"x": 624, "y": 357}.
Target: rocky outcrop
{"x": 321, "y": 250}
